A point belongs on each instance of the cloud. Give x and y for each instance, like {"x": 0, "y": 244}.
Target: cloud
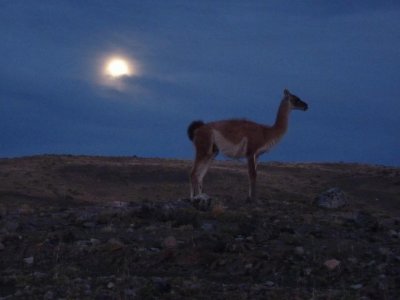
{"x": 202, "y": 60}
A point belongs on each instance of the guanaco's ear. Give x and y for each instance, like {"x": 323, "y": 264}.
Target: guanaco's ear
{"x": 286, "y": 92}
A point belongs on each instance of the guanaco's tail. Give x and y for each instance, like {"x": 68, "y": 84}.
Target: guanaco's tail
{"x": 192, "y": 127}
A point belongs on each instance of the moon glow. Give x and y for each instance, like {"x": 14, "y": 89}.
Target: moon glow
{"x": 117, "y": 67}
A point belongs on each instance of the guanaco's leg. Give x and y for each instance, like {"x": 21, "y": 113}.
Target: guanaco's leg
{"x": 252, "y": 169}
{"x": 205, "y": 153}
{"x": 199, "y": 170}
{"x": 195, "y": 184}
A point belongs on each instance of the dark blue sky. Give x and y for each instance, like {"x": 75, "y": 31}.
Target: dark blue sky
{"x": 204, "y": 60}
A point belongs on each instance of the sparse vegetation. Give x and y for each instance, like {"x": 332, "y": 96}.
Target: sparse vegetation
{"x": 112, "y": 232}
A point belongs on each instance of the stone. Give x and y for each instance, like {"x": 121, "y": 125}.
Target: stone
{"x": 202, "y": 202}
{"x": 130, "y": 293}
{"x": 356, "y": 286}
{"x": 248, "y": 266}
{"x": 49, "y": 295}
{"x": 385, "y": 251}
{"x": 162, "y": 285}
{"x": 68, "y": 237}
{"x": 299, "y": 250}
{"x": 2, "y": 247}
{"x": 332, "y": 264}
{"x": 269, "y": 283}
{"x": 11, "y": 226}
{"x": 365, "y": 219}
{"x": 82, "y": 245}
{"x": 95, "y": 242}
{"x": 115, "y": 244}
{"x": 88, "y": 224}
{"x": 307, "y": 271}
{"x": 217, "y": 210}
{"x": 353, "y": 260}
{"x": 29, "y": 260}
{"x": 331, "y": 199}
{"x": 208, "y": 225}
{"x": 392, "y": 233}
{"x": 39, "y": 275}
{"x": 170, "y": 242}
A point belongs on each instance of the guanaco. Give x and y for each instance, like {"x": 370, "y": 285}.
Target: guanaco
{"x": 238, "y": 138}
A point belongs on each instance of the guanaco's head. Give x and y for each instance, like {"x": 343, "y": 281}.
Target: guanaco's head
{"x": 295, "y": 102}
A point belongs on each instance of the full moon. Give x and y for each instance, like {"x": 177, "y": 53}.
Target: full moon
{"x": 118, "y": 67}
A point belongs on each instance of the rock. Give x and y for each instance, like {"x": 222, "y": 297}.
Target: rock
{"x": 161, "y": 285}
{"x": 202, "y": 202}
{"x": 120, "y": 204}
{"x": 307, "y": 271}
{"x": 115, "y": 244}
{"x": 353, "y": 260}
{"x": 68, "y": 237}
{"x": 11, "y": 226}
{"x": 3, "y": 211}
{"x": 171, "y": 210}
{"x": 110, "y": 285}
{"x": 95, "y": 242}
{"x": 166, "y": 212}
{"x": 146, "y": 210}
{"x": 80, "y": 217}
{"x": 217, "y": 210}
{"x": 39, "y": 275}
{"x": 25, "y": 210}
{"x": 331, "y": 264}
{"x": 82, "y": 245}
{"x": 154, "y": 249}
{"x": 365, "y": 219}
{"x": 29, "y": 260}
{"x": 2, "y": 247}
{"x": 87, "y": 289}
{"x": 49, "y": 295}
{"x": 170, "y": 242}
{"x": 186, "y": 217}
{"x": 356, "y": 286}
{"x": 299, "y": 250}
{"x": 392, "y": 233}
{"x": 208, "y": 225}
{"x": 385, "y": 251}
{"x": 109, "y": 228}
{"x": 88, "y": 224}
{"x": 269, "y": 283}
{"x": 332, "y": 198}
{"x": 11, "y": 237}
{"x": 130, "y": 293}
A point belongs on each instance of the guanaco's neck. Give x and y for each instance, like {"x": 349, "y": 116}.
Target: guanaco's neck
{"x": 282, "y": 118}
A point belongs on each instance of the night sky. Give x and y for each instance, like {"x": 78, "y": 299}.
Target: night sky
{"x": 205, "y": 60}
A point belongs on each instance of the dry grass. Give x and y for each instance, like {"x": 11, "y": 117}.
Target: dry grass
{"x": 114, "y": 228}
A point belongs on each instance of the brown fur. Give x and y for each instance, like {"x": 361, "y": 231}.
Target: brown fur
{"x": 238, "y": 139}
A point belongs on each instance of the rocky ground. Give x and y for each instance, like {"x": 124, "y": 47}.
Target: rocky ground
{"x": 75, "y": 227}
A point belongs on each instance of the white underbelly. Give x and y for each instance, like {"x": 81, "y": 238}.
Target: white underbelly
{"x": 228, "y": 148}
{"x": 266, "y": 147}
